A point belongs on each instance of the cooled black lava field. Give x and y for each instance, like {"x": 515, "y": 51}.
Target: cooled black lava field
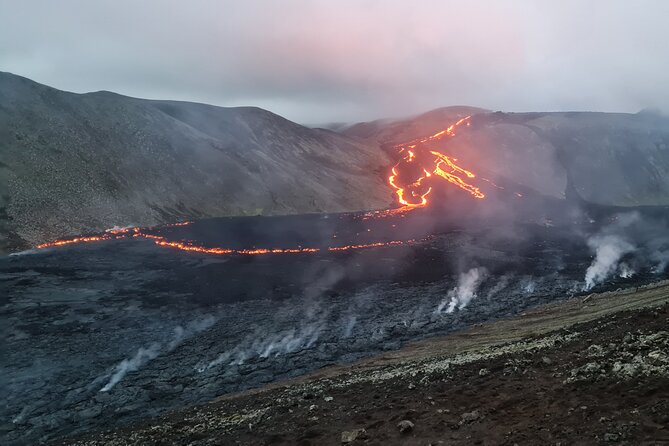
{"x": 100, "y": 334}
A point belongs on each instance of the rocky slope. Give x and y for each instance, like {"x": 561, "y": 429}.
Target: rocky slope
{"x": 603, "y": 158}
{"x": 71, "y": 163}
{"x": 590, "y": 370}
{"x": 75, "y": 163}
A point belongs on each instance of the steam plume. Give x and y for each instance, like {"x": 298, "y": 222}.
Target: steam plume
{"x": 625, "y": 271}
{"x": 145, "y": 355}
{"x": 528, "y": 285}
{"x": 662, "y": 260}
{"x": 502, "y": 283}
{"x": 348, "y": 328}
{"x": 142, "y": 356}
{"x": 461, "y": 295}
{"x": 609, "y": 249}
{"x": 259, "y": 345}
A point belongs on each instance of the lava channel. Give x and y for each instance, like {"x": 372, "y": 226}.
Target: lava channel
{"x": 412, "y": 180}
{"x": 414, "y": 175}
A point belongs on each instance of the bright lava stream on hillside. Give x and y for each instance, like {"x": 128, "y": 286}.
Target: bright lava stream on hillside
{"x": 411, "y": 178}
{"x": 422, "y": 165}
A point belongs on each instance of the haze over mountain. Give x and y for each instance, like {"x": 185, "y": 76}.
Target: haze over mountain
{"x": 323, "y": 61}
{"x": 71, "y": 163}
{"x": 616, "y": 159}
{"x": 74, "y": 163}
{"x": 227, "y": 222}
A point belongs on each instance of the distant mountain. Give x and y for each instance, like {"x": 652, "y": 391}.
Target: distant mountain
{"x": 395, "y": 131}
{"x": 71, "y": 163}
{"x": 74, "y": 163}
{"x": 602, "y": 158}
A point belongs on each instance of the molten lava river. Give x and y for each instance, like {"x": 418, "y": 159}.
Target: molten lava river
{"x": 413, "y": 178}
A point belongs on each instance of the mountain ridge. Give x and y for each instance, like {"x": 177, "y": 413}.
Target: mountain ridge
{"x": 611, "y": 159}
{"x": 73, "y": 163}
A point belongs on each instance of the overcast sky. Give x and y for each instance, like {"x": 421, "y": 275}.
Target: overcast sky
{"x": 321, "y": 61}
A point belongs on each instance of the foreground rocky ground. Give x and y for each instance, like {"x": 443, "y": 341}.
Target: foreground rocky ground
{"x": 591, "y": 370}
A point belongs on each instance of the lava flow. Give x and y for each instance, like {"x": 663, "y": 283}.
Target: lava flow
{"x": 412, "y": 179}
{"x": 413, "y": 176}
{"x": 117, "y": 234}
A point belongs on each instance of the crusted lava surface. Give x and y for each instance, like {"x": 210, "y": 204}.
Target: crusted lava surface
{"x": 105, "y": 333}
{"x": 603, "y": 378}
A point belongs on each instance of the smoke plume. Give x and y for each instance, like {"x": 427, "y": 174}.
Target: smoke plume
{"x": 145, "y": 355}
{"x": 142, "y": 356}
{"x": 609, "y": 249}
{"x": 257, "y": 344}
{"x": 528, "y": 285}
{"x": 461, "y": 295}
{"x": 502, "y": 283}
{"x": 348, "y": 327}
{"x": 625, "y": 271}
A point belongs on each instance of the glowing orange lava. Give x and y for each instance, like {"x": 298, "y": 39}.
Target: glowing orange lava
{"x": 413, "y": 192}
{"x": 94, "y": 238}
{"x": 189, "y": 246}
{"x": 412, "y": 179}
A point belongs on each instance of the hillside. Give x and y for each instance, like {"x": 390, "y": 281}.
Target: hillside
{"x": 586, "y": 371}
{"x": 603, "y": 158}
{"x": 77, "y": 163}
{"x": 72, "y": 163}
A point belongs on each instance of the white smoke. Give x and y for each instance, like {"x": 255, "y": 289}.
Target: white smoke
{"x": 348, "y": 327}
{"x": 625, "y": 271}
{"x": 289, "y": 337}
{"x": 502, "y": 283}
{"x": 662, "y": 260}
{"x": 142, "y": 356}
{"x": 145, "y": 355}
{"x": 25, "y": 253}
{"x": 119, "y": 228}
{"x": 257, "y": 344}
{"x": 528, "y": 285}
{"x": 609, "y": 249}
{"x": 192, "y": 328}
{"x": 323, "y": 281}
{"x": 22, "y": 415}
{"x": 461, "y": 295}
{"x": 179, "y": 335}
{"x": 416, "y": 317}
{"x": 291, "y": 341}
{"x": 270, "y": 346}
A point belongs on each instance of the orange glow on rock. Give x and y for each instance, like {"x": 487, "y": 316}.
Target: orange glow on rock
{"x": 421, "y": 165}
{"x": 412, "y": 194}
{"x": 190, "y": 246}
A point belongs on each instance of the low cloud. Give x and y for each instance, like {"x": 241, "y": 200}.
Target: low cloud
{"x": 320, "y": 61}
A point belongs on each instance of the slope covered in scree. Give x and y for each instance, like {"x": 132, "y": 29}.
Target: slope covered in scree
{"x": 71, "y": 163}
{"x": 602, "y": 158}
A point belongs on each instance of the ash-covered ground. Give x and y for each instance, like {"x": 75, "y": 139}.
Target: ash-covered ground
{"x": 97, "y": 335}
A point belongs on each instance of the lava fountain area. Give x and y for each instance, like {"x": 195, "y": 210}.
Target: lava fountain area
{"x": 106, "y": 328}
